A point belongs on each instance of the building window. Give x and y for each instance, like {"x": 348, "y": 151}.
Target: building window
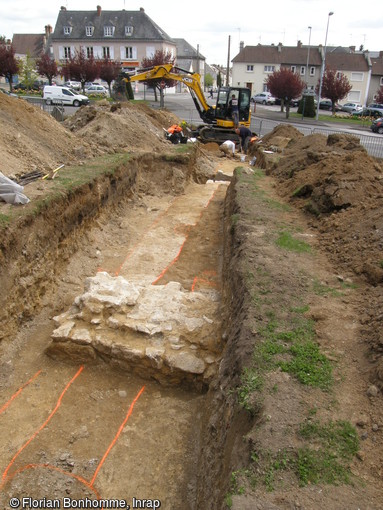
{"x": 356, "y": 76}
{"x": 129, "y": 52}
{"x": 250, "y": 68}
{"x": 381, "y": 80}
{"x": 89, "y": 51}
{"x": 89, "y": 31}
{"x": 67, "y": 30}
{"x": 129, "y": 30}
{"x": 303, "y": 70}
{"x": 106, "y": 51}
{"x": 108, "y": 31}
{"x": 312, "y": 71}
{"x": 293, "y": 69}
{"x": 268, "y": 69}
{"x": 354, "y": 95}
{"x": 67, "y": 53}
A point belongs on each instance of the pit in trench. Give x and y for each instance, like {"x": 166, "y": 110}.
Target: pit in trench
{"x": 154, "y": 453}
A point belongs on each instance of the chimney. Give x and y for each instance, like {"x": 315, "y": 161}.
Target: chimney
{"x": 280, "y": 47}
{"x": 352, "y": 49}
{"x": 241, "y": 45}
{"x": 62, "y": 8}
{"x": 99, "y": 10}
{"x": 142, "y": 9}
{"x": 48, "y": 30}
{"x": 299, "y": 44}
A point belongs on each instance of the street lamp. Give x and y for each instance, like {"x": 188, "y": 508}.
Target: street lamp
{"x": 307, "y": 63}
{"x": 307, "y": 76}
{"x": 323, "y": 64}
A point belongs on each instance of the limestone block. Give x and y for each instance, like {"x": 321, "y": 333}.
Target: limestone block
{"x": 186, "y": 362}
{"x": 81, "y": 336}
{"x": 109, "y": 290}
{"x": 63, "y": 332}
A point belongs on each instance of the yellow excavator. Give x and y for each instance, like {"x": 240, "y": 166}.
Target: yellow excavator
{"x": 218, "y": 123}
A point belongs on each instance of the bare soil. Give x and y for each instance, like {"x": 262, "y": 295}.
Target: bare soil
{"x": 96, "y": 430}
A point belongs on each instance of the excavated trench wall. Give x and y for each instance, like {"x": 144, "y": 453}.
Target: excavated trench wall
{"x": 225, "y": 423}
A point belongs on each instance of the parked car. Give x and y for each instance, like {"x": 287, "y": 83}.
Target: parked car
{"x": 19, "y": 86}
{"x": 326, "y": 104}
{"x": 368, "y": 112}
{"x": 377, "y": 126}
{"x": 76, "y": 85}
{"x": 97, "y": 89}
{"x": 349, "y": 107}
{"x": 63, "y": 95}
{"x": 375, "y": 105}
{"x": 263, "y": 98}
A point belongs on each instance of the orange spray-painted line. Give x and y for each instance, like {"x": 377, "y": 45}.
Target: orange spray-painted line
{"x": 171, "y": 263}
{"x": 53, "y": 468}
{"x": 203, "y": 280}
{"x": 5, "y": 474}
{"x": 2, "y": 409}
{"x": 130, "y": 410}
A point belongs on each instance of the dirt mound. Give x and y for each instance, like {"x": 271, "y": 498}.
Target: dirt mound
{"x": 123, "y": 126}
{"x": 31, "y": 139}
{"x": 284, "y": 131}
{"x": 335, "y": 181}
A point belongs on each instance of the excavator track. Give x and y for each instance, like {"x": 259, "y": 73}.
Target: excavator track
{"x": 208, "y": 134}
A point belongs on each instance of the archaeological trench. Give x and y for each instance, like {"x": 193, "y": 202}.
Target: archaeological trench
{"x": 126, "y": 325}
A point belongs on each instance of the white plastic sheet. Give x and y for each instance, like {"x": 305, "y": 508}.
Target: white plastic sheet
{"x": 11, "y": 192}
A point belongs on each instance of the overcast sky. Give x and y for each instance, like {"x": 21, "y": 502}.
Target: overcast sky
{"x": 209, "y": 24}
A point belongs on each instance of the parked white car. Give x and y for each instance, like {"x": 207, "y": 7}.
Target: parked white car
{"x": 263, "y": 98}
{"x": 97, "y": 89}
{"x": 55, "y": 94}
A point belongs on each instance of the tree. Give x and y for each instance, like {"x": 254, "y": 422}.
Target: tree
{"x": 379, "y": 95}
{"x": 208, "y": 80}
{"x": 219, "y": 80}
{"x": 335, "y": 86}
{"x": 9, "y": 66}
{"x": 80, "y": 68}
{"x": 109, "y": 71}
{"x": 160, "y": 57}
{"x": 28, "y": 73}
{"x": 285, "y": 85}
{"x": 46, "y": 66}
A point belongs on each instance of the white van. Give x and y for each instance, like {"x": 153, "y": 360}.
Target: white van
{"x": 62, "y": 95}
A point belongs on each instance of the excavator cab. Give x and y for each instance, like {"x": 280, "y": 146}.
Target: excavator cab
{"x": 223, "y": 112}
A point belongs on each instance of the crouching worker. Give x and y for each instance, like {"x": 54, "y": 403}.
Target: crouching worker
{"x": 175, "y": 134}
{"x": 245, "y": 137}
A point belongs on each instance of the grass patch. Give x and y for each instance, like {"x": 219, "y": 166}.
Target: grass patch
{"x": 286, "y": 241}
{"x": 4, "y": 220}
{"x": 251, "y": 383}
{"x": 328, "y": 462}
{"x": 294, "y": 351}
{"x": 309, "y": 365}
